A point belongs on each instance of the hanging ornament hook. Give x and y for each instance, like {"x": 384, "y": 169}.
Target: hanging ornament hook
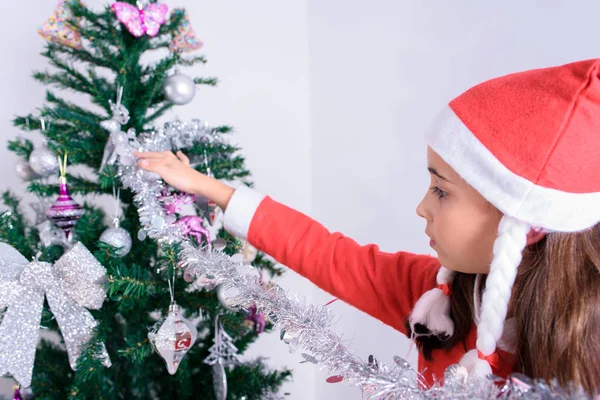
{"x": 117, "y": 198}
{"x": 45, "y": 125}
{"x": 119, "y": 94}
{"x": 208, "y": 170}
{"x": 62, "y": 166}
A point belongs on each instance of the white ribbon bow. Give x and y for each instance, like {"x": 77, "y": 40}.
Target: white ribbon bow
{"x": 72, "y": 284}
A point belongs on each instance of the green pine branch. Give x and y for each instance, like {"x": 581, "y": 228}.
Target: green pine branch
{"x": 137, "y": 350}
{"x": 254, "y": 380}
{"x": 162, "y": 109}
{"x": 21, "y": 147}
{"x": 67, "y": 78}
{"x": 133, "y": 282}
{"x": 54, "y": 51}
{"x": 90, "y": 226}
{"x": 66, "y": 111}
{"x": 52, "y": 372}
{"x": 76, "y": 184}
{"x": 206, "y": 81}
{"x": 188, "y": 62}
{"x": 13, "y": 226}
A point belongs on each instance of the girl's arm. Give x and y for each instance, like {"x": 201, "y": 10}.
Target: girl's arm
{"x": 383, "y": 285}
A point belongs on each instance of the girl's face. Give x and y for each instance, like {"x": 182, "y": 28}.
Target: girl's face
{"x": 461, "y": 224}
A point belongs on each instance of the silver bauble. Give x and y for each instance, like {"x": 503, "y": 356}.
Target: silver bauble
{"x": 226, "y": 294}
{"x": 43, "y": 162}
{"x": 119, "y": 238}
{"x": 179, "y": 89}
{"x": 24, "y": 170}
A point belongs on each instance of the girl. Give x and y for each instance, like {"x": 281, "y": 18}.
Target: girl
{"x": 512, "y": 212}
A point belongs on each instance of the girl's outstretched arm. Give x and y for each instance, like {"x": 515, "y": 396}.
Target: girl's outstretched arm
{"x": 384, "y": 285}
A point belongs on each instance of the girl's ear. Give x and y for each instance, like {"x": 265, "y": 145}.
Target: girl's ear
{"x": 535, "y": 235}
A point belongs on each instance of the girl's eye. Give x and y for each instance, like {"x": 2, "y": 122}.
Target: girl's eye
{"x": 438, "y": 192}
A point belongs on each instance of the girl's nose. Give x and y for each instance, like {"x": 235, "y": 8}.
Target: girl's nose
{"x": 422, "y": 210}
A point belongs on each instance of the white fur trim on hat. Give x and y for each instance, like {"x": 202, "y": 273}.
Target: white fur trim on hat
{"x": 510, "y": 193}
{"x": 433, "y": 308}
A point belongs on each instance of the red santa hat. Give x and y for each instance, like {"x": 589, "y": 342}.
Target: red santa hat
{"x": 530, "y": 144}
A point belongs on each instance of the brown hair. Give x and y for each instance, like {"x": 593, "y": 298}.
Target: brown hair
{"x": 556, "y": 305}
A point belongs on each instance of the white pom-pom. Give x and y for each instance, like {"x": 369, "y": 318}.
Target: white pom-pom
{"x": 468, "y": 360}
{"x": 481, "y": 369}
{"x": 476, "y": 366}
{"x": 433, "y": 311}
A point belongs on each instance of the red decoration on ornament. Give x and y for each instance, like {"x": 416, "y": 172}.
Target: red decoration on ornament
{"x": 335, "y": 379}
{"x": 183, "y": 340}
{"x": 65, "y": 212}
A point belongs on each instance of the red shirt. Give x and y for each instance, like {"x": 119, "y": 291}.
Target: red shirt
{"x": 384, "y": 285}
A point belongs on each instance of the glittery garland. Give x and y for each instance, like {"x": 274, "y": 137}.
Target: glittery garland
{"x": 307, "y": 326}
{"x": 148, "y": 186}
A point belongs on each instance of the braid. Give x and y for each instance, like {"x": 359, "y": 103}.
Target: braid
{"x": 507, "y": 255}
{"x": 508, "y": 249}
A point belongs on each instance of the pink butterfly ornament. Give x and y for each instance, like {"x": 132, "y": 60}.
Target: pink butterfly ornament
{"x": 58, "y": 29}
{"x": 185, "y": 40}
{"x": 140, "y": 20}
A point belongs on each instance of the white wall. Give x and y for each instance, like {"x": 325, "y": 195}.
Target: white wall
{"x": 367, "y": 76}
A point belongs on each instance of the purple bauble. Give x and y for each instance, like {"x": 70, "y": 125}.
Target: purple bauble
{"x": 65, "y": 212}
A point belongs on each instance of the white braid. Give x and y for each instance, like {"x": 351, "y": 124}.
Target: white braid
{"x": 508, "y": 250}
{"x": 444, "y": 276}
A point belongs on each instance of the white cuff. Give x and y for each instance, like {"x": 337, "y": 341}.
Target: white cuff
{"x": 241, "y": 210}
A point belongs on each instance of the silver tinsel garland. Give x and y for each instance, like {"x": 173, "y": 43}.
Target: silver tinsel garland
{"x": 306, "y": 326}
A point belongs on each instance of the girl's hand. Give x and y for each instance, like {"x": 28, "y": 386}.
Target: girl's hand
{"x": 176, "y": 171}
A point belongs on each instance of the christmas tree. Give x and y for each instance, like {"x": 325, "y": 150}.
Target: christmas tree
{"x": 150, "y": 337}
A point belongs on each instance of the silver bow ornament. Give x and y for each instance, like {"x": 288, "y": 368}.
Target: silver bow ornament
{"x": 72, "y": 284}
